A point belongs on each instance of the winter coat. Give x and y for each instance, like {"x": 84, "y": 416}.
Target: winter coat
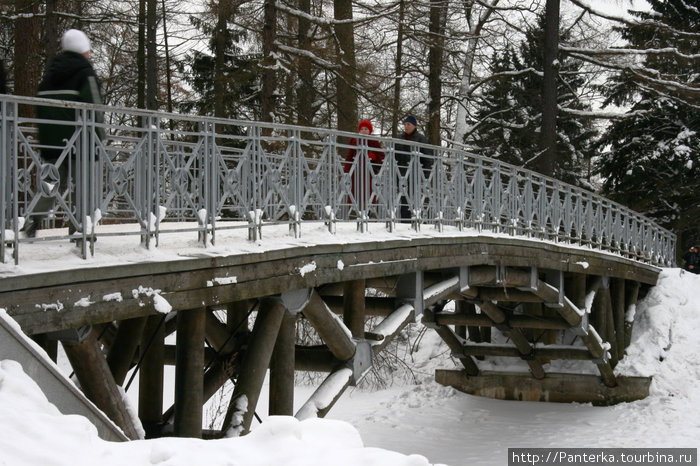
{"x": 70, "y": 76}
{"x": 403, "y": 152}
{"x": 376, "y": 157}
{"x": 692, "y": 261}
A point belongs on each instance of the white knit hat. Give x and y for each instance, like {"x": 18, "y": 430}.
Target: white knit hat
{"x": 75, "y": 41}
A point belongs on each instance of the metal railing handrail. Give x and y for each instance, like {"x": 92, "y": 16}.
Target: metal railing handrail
{"x": 147, "y": 167}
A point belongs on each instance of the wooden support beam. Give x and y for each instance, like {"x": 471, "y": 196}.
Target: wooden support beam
{"x": 454, "y": 342}
{"x": 315, "y": 359}
{"x": 354, "y": 307}
{"x": 330, "y": 328}
{"x": 462, "y": 308}
{"x": 540, "y": 352}
{"x": 374, "y": 306}
{"x": 617, "y": 296}
{"x": 189, "y": 371}
{"x": 237, "y": 316}
{"x": 218, "y": 335}
{"x": 326, "y": 395}
{"x": 508, "y": 294}
{"x": 440, "y": 291}
{"x": 282, "y": 369}
{"x": 518, "y": 339}
{"x": 323, "y": 399}
{"x": 563, "y": 388}
{"x": 256, "y": 360}
{"x": 549, "y": 294}
{"x": 516, "y": 321}
{"x": 126, "y": 342}
{"x": 97, "y": 382}
{"x": 631, "y": 296}
{"x": 151, "y": 375}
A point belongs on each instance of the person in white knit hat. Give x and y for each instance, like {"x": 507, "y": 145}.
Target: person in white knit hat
{"x": 69, "y": 76}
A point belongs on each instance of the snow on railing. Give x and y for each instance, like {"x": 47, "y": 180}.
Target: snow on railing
{"x": 151, "y": 168}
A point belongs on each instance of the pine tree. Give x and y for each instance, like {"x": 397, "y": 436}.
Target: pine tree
{"x": 653, "y": 154}
{"x": 238, "y": 95}
{"x": 509, "y": 116}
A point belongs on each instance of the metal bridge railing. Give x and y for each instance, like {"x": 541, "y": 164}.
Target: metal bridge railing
{"x": 151, "y": 168}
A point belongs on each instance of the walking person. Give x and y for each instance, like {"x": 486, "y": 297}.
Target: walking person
{"x": 691, "y": 258}
{"x": 361, "y": 184}
{"x": 404, "y": 155}
{"x": 70, "y": 76}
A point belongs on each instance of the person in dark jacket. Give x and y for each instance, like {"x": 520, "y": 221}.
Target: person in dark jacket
{"x": 363, "y": 191}
{"x": 3, "y": 79}
{"x": 404, "y": 155}
{"x": 692, "y": 260}
{"x": 71, "y": 77}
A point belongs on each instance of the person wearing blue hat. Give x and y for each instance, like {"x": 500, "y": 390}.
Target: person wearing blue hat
{"x": 404, "y": 153}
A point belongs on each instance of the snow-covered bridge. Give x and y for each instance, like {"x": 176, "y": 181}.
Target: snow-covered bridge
{"x": 233, "y": 233}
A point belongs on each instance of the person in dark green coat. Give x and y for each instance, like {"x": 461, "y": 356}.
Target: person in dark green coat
{"x": 71, "y": 77}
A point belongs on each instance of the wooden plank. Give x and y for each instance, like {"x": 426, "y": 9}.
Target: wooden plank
{"x": 561, "y": 388}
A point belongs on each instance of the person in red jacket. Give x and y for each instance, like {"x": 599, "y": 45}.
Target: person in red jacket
{"x": 362, "y": 175}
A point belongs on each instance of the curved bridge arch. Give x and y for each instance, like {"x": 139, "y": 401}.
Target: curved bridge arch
{"x": 538, "y": 259}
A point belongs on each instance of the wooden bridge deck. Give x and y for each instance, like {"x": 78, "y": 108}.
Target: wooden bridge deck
{"x": 533, "y": 292}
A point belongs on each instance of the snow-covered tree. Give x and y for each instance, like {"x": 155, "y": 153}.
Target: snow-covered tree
{"x": 652, "y": 156}
{"x": 508, "y": 121}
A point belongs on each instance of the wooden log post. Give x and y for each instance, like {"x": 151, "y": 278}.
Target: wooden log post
{"x": 617, "y": 296}
{"x": 246, "y": 393}
{"x": 189, "y": 371}
{"x": 97, "y": 382}
{"x": 237, "y": 316}
{"x": 282, "y": 369}
{"x": 151, "y": 375}
{"x": 329, "y": 328}
{"x": 354, "y": 307}
{"x": 127, "y": 340}
{"x": 463, "y": 308}
{"x": 631, "y": 296}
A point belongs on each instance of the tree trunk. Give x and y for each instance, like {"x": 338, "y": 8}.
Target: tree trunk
{"x": 399, "y": 71}
{"x": 152, "y": 56}
{"x": 221, "y": 37}
{"x": 438, "y": 17}
{"x": 27, "y": 60}
{"x": 306, "y": 95}
{"x": 141, "y": 58}
{"x": 468, "y": 64}
{"x": 269, "y": 61}
{"x": 346, "y": 95}
{"x": 548, "y": 159}
{"x": 50, "y": 31}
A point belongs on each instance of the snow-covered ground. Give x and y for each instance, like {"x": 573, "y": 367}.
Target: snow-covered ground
{"x": 411, "y": 424}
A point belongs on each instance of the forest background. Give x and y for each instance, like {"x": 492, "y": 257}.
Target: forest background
{"x": 599, "y": 94}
